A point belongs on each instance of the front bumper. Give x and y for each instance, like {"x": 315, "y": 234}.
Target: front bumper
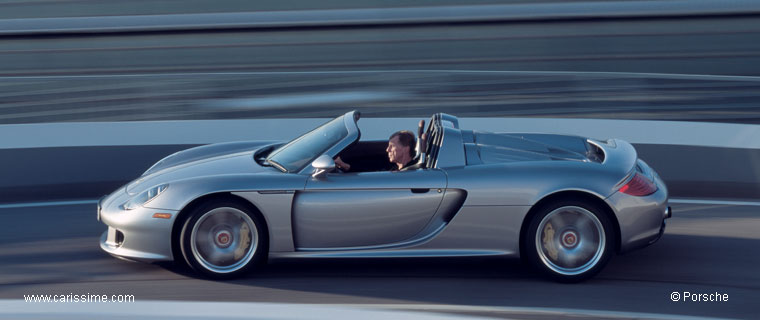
{"x": 135, "y": 234}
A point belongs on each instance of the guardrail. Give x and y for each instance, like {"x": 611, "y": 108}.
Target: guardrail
{"x": 379, "y": 16}
{"x": 62, "y": 161}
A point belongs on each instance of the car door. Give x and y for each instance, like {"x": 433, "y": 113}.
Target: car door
{"x": 366, "y": 209}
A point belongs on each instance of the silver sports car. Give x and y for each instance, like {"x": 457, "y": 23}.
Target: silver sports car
{"x": 565, "y": 204}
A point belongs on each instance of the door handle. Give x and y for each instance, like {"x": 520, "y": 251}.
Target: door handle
{"x": 420, "y": 190}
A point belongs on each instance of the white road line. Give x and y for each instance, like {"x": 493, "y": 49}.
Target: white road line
{"x": 720, "y": 202}
{"x": 47, "y": 204}
{"x": 209, "y": 310}
{"x": 45, "y": 135}
{"x": 560, "y": 313}
{"x": 285, "y": 101}
{"x": 258, "y": 310}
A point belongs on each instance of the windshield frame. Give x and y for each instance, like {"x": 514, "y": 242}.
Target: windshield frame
{"x": 353, "y": 134}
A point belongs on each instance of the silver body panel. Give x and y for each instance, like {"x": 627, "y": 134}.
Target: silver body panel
{"x": 277, "y": 205}
{"x": 472, "y": 202}
{"x": 640, "y": 218}
{"x": 454, "y": 152}
{"x": 366, "y": 209}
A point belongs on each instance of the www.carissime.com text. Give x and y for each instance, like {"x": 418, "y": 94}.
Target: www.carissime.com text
{"x": 79, "y": 298}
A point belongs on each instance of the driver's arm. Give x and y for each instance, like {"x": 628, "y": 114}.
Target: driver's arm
{"x": 342, "y": 165}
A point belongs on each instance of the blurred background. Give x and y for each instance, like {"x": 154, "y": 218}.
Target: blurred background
{"x": 109, "y": 60}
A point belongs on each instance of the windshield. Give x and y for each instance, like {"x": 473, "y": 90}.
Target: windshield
{"x": 296, "y": 154}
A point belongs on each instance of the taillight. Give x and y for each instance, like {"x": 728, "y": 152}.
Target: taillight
{"x": 639, "y": 186}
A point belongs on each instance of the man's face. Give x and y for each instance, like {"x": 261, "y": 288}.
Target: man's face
{"x": 396, "y": 150}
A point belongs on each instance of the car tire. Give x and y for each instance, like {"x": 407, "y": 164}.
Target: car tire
{"x": 570, "y": 240}
{"x": 223, "y": 239}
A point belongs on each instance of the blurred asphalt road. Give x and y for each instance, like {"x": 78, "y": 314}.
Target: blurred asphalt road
{"x": 706, "y": 249}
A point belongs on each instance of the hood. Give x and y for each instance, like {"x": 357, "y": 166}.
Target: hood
{"x": 512, "y": 147}
{"x": 213, "y": 159}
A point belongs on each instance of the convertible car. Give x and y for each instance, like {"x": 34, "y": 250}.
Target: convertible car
{"x": 564, "y": 204}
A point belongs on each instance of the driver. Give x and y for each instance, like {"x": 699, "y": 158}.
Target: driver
{"x": 400, "y": 152}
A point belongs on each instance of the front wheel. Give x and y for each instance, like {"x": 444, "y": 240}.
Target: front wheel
{"x": 223, "y": 239}
{"x": 569, "y": 241}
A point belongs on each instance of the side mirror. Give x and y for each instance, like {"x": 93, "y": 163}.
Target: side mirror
{"x": 322, "y": 165}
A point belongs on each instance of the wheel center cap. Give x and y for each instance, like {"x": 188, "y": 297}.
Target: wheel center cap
{"x": 223, "y": 239}
{"x": 569, "y": 239}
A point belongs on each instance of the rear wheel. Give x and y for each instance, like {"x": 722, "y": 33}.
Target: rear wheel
{"x": 570, "y": 241}
{"x": 223, "y": 239}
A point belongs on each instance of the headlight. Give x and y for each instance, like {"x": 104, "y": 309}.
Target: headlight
{"x": 144, "y": 197}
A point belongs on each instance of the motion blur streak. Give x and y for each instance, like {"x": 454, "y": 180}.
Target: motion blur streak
{"x": 208, "y": 66}
{"x": 695, "y": 37}
{"x": 374, "y": 17}
{"x": 683, "y": 45}
{"x": 410, "y": 93}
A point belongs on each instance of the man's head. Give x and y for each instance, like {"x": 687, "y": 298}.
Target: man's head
{"x": 401, "y": 147}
